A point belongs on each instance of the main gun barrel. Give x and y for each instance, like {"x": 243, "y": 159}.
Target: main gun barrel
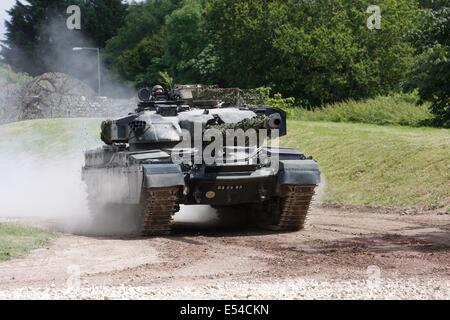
{"x": 273, "y": 121}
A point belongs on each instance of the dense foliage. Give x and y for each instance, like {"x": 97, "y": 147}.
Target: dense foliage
{"x": 395, "y": 109}
{"x": 431, "y": 73}
{"x": 317, "y": 52}
{"x": 37, "y": 38}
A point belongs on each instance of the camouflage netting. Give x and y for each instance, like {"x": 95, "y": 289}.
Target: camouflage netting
{"x": 234, "y": 96}
{"x": 229, "y": 95}
{"x": 105, "y": 133}
{"x": 254, "y": 96}
{"x": 57, "y": 95}
{"x": 256, "y": 123}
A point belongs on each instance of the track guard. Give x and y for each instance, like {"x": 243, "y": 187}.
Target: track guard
{"x": 162, "y": 176}
{"x": 298, "y": 172}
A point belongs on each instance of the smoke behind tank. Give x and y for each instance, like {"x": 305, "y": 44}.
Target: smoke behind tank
{"x": 40, "y": 165}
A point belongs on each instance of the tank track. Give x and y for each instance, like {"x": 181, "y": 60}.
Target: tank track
{"x": 159, "y": 206}
{"x": 295, "y": 203}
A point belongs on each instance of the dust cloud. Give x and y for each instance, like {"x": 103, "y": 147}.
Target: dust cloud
{"x": 40, "y": 167}
{"x": 319, "y": 197}
{"x": 40, "y": 180}
{"x": 198, "y": 214}
{"x": 40, "y": 175}
{"x": 39, "y": 187}
{"x": 80, "y": 64}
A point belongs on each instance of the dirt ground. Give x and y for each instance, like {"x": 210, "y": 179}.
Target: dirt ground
{"x": 339, "y": 254}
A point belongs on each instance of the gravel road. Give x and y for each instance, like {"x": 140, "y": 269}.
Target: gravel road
{"x": 342, "y": 253}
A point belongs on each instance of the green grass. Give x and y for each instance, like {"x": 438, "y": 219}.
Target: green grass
{"x": 39, "y": 137}
{"x": 16, "y": 240}
{"x": 383, "y": 110}
{"x": 378, "y": 165}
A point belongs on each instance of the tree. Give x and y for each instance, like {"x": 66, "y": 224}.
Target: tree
{"x": 431, "y": 72}
{"x": 318, "y": 51}
{"x": 102, "y": 18}
{"x": 241, "y": 33}
{"x": 144, "y": 21}
{"x": 433, "y": 4}
{"x": 37, "y": 38}
{"x": 142, "y": 63}
{"x": 167, "y": 35}
{"x": 186, "y": 54}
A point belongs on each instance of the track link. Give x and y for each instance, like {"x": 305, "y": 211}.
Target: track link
{"x": 159, "y": 205}
{"x": 295, "y": 203}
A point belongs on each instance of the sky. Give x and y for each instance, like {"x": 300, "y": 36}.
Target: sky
{"x": 4, "y": 5}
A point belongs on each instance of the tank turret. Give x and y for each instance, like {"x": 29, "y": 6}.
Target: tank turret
{"x": 162, "y": 121}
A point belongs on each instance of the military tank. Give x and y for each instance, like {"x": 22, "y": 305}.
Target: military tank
{"x": 153, "y": 161}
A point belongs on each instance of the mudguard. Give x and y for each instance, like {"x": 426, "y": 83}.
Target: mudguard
{"x": 162, "y": 175}
{"x": 302, "y": 172}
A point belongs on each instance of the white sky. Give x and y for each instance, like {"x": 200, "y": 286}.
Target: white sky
{"x": 6, "y": 5}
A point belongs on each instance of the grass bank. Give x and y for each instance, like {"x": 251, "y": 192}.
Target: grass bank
{"x": 383, "y": 110}
{"x": 378, "y": 165}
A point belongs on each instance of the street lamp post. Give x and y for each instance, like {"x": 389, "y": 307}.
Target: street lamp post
{"x": 99, "y": 75}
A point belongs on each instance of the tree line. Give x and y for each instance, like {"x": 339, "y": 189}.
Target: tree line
{"x": 317, "y": 52}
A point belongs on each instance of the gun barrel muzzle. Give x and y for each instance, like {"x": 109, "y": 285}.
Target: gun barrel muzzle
{"x": 273, "y": 121}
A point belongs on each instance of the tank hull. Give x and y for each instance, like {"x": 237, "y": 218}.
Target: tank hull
{"x": 158, "y": 189}
{"x": 213, "y": 185}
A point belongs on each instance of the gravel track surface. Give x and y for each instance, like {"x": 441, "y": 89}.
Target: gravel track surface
{"x": 342, "y": 253}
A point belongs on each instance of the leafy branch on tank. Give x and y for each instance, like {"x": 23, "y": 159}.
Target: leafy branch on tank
{"x": 256, "y": 123}
{"x": 105, "y": 133}
{"x": 232, "y": 96}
